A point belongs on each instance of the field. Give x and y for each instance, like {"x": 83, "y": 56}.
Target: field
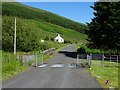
{"x": 102, "y": 74}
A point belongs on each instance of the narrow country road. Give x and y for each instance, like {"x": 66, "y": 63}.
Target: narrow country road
{"x": 56, "y": 74}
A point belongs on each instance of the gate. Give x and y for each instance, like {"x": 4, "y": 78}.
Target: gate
{"x": 98, "y": 60}
{"x": 84, "y": 60}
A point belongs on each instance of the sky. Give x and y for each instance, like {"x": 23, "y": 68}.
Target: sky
{"x": 77, "y": 11}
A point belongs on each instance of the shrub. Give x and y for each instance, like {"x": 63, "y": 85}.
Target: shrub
{"x": 85, "y": 49}
{"x": 44, "y": 46}
{"x": 68, "y": 41}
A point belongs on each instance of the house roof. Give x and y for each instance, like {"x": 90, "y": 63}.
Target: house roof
{"x": 58, "y": 37}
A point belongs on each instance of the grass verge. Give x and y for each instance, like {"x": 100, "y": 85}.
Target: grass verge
{"x": 102, "y": 74}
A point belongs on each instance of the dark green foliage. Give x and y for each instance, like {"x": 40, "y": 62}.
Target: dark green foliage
{"x": 81, "y": 51}
{"x": 44, "y": 46}
{"x": 47, "y": 38}
{"x": 67, "y": 41}
{"x": 52, "y": 39}
{"x": 104, "y": 30}
{"x": 22, "y": 11}
{"x": 86, "y": 50}
{"x": 27, "y": 39}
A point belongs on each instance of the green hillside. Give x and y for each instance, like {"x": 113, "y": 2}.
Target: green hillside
{"x": 39, "y": 29}
{"x": 31, "y": 29}
{"x": 22, "y": 11}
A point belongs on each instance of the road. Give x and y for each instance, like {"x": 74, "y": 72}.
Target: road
{"x": 55, "y": 76}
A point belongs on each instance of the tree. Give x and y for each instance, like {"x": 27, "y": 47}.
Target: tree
{"x": 104, "y": 30}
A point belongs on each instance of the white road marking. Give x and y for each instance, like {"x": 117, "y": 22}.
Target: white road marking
{"x": 43, "y": 65}
{"x": 72, "y": 65}
{"x": 57, "y": 65}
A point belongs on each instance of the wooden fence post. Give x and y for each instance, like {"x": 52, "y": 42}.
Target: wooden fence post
{"x": 110, "y": 60}
{"x": 42, "y": 59}
{"x": 8, "y": 57}
{"x": 90, "y": 59}
{"x": 87, "y": 60}
{"x": 117, "y": 61}
{"x": 35, "y": 59}
{"x": 103, "y": 60}
{"x": 77, "y": 58}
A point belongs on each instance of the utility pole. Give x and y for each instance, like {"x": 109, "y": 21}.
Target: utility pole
{"x": 15, "y": 38}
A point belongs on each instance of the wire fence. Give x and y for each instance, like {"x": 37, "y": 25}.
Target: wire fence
{"x": 12, "y": 62}
{"x": 29, "y": 58}
{"x": 99, "y": 60}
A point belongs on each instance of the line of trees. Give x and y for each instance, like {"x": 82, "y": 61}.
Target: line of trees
{"x": 104, "y": 29}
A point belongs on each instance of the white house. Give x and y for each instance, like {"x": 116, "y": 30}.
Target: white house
{"x": 59, "y": 39}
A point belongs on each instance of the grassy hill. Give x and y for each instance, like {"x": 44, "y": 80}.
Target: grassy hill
{"x": 23, "y": 11}
{"x": 31, "y": 29}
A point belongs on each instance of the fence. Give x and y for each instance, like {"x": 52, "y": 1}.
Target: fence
{"x": 99, "y": 59}
{"x": 49, "y": 51}
{"x": 19, "y": 59}
{"x": 30, "y": 58}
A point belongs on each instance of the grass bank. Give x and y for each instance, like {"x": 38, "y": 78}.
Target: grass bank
{"x": 102, "y": 74}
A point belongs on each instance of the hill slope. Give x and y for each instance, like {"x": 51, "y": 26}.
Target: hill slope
{"x": 20, "y": 10}
{"x": 30, "y": 30}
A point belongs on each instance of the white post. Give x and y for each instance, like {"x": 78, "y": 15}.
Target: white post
{"x": 15, "y": 38}
{"x": 87, "y": 59}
